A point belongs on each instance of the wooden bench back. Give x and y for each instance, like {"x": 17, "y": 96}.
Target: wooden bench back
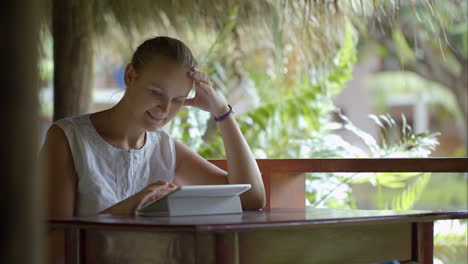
{"x": 285, "y": 179}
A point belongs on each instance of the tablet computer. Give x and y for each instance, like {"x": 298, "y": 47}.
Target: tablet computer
{"x": 204, "y": 198}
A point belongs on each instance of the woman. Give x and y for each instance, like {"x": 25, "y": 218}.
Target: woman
{"x": 118, "y": 160}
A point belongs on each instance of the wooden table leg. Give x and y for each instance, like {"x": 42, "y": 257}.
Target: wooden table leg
{"x": 73, "y": 246}
{"x": 227, "y": 248}
{"x": 423, "y": 242}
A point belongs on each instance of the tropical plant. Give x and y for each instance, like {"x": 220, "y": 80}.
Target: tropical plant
{"x": 295, "y": 109}
{"x": 413, "y": 86}
{"x": 428, "y": 38}
{"x": 395, "y": 141}
{"x": 295, "y": 120}
{"x": 451, "y": 241}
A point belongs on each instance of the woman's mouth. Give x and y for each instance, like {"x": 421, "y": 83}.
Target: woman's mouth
{"x": 155, "y": 118}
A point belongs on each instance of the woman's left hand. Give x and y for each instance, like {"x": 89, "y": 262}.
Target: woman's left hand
{"x": 205, "y": 96}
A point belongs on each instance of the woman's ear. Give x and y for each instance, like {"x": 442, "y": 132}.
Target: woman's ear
{"x": 130, "y": 74}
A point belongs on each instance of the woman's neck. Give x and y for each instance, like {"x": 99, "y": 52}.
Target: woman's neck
{"x": 118, "y": 127}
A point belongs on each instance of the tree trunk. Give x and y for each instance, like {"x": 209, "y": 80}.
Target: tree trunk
{"x": 22, "y": 223}
{"x": 73, "y": 56}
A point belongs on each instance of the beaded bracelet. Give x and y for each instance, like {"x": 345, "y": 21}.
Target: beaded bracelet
{"x": 221, "y": 118}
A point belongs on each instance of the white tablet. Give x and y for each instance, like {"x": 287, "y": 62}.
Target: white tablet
{"x": 210, "y": 190}
{"x": 200, "y": 191}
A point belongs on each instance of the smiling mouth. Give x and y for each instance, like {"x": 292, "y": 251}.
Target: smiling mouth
{"x": 155, "y": 119}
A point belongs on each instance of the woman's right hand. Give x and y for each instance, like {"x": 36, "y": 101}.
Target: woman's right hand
{"x": 133, "y": 203}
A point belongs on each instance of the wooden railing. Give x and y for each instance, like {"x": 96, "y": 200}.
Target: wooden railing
{"x": 284, "y": 179}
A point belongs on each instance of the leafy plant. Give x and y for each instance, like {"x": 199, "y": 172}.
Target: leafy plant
{"x": 395, "y": 141}
{"x": 294, "y": 119}
{"x": 451, "y": 241}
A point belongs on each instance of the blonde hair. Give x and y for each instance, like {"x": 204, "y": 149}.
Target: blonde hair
{"x": 163, "y": 46}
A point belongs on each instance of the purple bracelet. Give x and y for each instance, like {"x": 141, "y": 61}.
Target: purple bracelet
{"x": 221, "y": 118}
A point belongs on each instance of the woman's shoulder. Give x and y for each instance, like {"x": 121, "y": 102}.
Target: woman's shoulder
{"x": 79, "y": 119}
{"x": 56, "y": 133}
{"x": 72, "y": 127}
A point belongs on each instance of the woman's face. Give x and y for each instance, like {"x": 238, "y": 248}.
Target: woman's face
{"x": 156, "y": 92}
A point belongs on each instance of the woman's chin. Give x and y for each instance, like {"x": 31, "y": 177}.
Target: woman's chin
{"x": 153, "y": 127}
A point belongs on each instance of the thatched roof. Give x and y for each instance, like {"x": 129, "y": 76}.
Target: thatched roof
{"x": 123, "y": 24}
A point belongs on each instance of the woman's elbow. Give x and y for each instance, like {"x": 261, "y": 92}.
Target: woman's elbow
{"x": 260, "y": 203}
{"x": 255, "y": 202}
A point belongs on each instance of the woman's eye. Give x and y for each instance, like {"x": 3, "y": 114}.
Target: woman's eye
{"x": 156, "y": 93}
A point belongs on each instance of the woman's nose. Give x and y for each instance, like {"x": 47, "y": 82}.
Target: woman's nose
{"x": 164, "y": 106}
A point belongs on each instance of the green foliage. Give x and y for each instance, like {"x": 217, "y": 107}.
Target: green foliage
{"x": 404, "y": 51}
{"x": 395, "y": 141}
{"x": 448, "y": 189}
{"x": 222, "y": 38}
{"x": 295, "y": 109}
{"x": 192, "y": 123}
{"x": 298, "y": 118}
{"x": 450, "y": 245}
{"x": 390, "y": 83}
{"x": 294, "y": 120}
{"x": 410, "y": 195}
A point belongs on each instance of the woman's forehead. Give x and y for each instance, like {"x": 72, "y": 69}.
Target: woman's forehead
{"x": 165, "y": 63}
{"x": 165, "y": 67}
{"x": 167, "y": 74}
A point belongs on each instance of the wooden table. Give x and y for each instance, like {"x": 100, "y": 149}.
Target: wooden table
{"x": 274, "y": 236}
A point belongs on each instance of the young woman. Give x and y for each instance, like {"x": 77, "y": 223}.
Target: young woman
{"x": 117, "y": 160}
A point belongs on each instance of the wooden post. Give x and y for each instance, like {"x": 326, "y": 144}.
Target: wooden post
{"x": 22, "y": 224}
{"x": 287, "y": 190}
{"x": 283, "y": 189}
{"x": 427, "y": 234}
{"x": 73, "y": 56}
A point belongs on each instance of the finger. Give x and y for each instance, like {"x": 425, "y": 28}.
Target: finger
{"x": 204, "y": 86}
{"x": 154, "y": 187}
{"x": 200, "y": 76}
{"x": 165, "y": 191}
{"x": 189, "y": 102}
{"x": 146, "y": 199}
{"x": 155, "y": 194}
{"x": 201, "y": 80}
{"x": 152, "y": 194}
{"x": 159, "y": 183}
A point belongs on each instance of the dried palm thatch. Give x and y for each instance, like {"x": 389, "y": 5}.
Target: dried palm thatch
{"x": 313, "y": 28}
{"x": 317, "y": 22}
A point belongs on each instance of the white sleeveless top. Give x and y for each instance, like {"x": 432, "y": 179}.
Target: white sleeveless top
{"x": 108, "y": 175}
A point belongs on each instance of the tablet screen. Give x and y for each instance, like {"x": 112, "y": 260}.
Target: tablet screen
{"x": 211, "y": 190}
{"x": 204, "y": 191}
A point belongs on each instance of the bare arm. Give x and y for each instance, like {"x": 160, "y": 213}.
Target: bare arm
{"x": 242, "y": 166}
{"x": 59, "y": 169}
{"x": 60, "y": 172}
{"x": 192, "y": 169}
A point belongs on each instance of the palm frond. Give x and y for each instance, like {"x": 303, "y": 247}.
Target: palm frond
{"x": 410, "y": 195}
{"x": 395, "y": 140}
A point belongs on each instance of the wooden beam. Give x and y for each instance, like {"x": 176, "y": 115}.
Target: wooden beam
{"x": 284, "y": 179}
{"x": 361, "y": 165}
